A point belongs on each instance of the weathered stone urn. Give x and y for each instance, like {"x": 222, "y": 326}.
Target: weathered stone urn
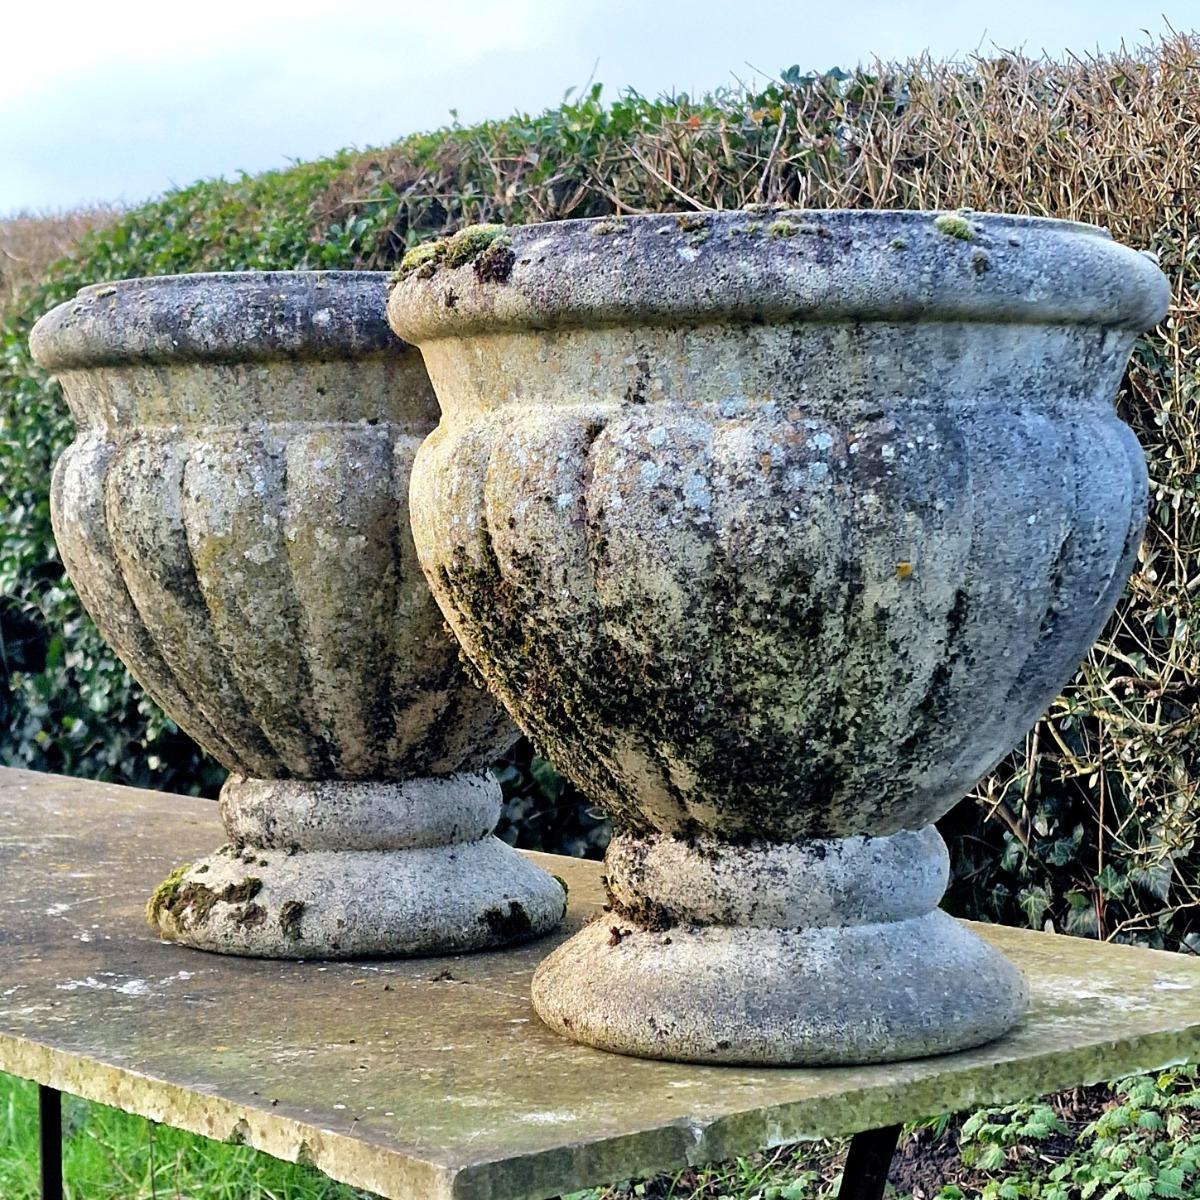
{"x": 776, "y": 530}
{"x": 234, "y": 516}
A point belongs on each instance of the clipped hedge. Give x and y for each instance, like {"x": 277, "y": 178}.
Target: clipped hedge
{"x": 1093, "y": 825}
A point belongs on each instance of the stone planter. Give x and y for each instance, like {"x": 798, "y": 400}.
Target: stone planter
{"x": 234, "y": 516}
{"x": 776, "y": 530}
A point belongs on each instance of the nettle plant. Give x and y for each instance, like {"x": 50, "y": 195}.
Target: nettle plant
{"x": 1144, "y": 1144}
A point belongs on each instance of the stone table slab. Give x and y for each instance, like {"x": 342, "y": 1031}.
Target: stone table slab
{"x": 430, "y": 1079}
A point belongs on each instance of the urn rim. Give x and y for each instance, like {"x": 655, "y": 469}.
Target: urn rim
{"x": 219, "y": 317}
{"x": 778, "y": 265}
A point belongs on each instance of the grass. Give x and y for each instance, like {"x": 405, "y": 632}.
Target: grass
{"x": 111, "y": 1155}
{"x": 1137, "y": 1139}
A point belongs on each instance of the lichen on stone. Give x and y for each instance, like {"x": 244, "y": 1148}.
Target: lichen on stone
{"x": 955, "y": 226}
{"x": 607, "y": 226}
{"x": 241, "y": 893}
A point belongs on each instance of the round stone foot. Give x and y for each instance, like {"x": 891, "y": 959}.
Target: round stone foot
{"x": 358, "y": 903}
{"x": 343, "y": 869}
{"x": 804, "y": 954}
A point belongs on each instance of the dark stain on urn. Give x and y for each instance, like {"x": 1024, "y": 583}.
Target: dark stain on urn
{"x": 504, "y": 629}
{"x": 638, "y": 391}
{"x": 190, "y": 904}
{"x": 641, "y": 911}
{"x": 495, "y": 264}
{"x": 511, "y": 925}
{"x": 290, "y": 916}
{"x": 251, "y": 916}
{"x": 937, "y": 704}
{"x": 649, "y": 914}
{"x": 565, "y": 701}
{"x": 241, "y": 893}
{"x": 626, "y": 706}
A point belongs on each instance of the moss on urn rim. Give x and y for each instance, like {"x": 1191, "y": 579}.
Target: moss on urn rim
{"x": 457, "y": 250}
{"x": 955, "y": 225}
{"x": 782, "y": 265}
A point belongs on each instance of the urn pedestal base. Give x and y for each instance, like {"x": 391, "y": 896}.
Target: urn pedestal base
{"x": 807, "y": 953}
{"x": 350, "y": 870}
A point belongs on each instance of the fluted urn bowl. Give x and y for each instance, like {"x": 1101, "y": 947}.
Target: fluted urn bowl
{"x": 234, "y": 515}
{"x": 776, "y": 530}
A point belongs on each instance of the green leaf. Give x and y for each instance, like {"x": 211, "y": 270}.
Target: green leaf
{"x": 1170, "y": 1183}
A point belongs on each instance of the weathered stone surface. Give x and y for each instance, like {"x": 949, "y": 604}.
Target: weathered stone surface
{"x": 433, "y": 1079}
{"x": 286, "y": 814}
{"x": 861, "y": 993}
{"x": 773, "y": 527}
{"x": 234, "y": 515}
{"x": 822, "y": 951}
{"x": 819, "y": 883}
{"x": 367, "y": 903}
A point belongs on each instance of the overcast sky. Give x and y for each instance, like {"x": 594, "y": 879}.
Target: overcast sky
{"x": 120, "y": 100}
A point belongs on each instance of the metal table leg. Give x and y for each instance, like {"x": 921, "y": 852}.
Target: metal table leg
{"x": 866, "y": 1171}
{"x": 50, "y": 1141}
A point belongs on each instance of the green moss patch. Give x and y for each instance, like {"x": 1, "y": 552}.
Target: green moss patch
{"x": 165, "y": 893}
{"x": 955, "y": 226}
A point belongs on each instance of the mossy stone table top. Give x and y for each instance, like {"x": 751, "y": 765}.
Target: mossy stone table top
{"x": 433, "y": 1078}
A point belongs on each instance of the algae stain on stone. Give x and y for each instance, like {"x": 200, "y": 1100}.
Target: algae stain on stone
{"x": 239, "y": 1135}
